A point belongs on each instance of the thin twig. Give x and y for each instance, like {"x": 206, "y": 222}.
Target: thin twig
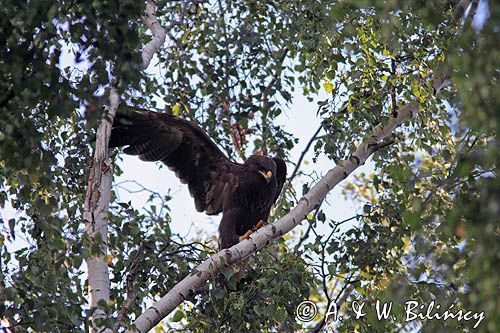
{"x": 265, "y": 99}
{"x": 131, "y": 294}
{"x": 381, "y": 145}
{"x": 346, "y": 291}
{"x": 304, "y": 152}
{"x": 306, "y": 234}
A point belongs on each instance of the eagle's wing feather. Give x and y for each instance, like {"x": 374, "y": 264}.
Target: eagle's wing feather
{"x": 184, "y": 148}
{"x": 280, "y": 175}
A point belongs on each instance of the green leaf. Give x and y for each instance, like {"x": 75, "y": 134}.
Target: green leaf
{"x": 51, "y": 12}
{"x": 228, "y": 272}
{"x": 124, "y": 204}
{"x": 415, "y": 88}
{"x": 410, "y": 218}
{"x": 178, "y": 316}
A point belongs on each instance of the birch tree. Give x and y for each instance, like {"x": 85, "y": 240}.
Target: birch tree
{"x": 410, "y": 91}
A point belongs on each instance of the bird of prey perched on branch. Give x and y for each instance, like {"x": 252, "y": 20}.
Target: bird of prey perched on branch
{"x": 244, "y": 193}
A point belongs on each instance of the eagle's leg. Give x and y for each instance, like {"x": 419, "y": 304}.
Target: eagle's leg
{"x": 246, "y": 235}
{"x": 228, "y": 233}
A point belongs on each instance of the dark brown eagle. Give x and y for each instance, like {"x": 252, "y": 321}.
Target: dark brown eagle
{"x": 244, "y": 193}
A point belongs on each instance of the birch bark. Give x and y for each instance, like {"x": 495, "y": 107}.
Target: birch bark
{"x": 99, "y": 188}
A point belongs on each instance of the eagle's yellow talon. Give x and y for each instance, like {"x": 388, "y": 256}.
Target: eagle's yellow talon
{"x": 259, "y": 225}
{"x": 246, "y": 235}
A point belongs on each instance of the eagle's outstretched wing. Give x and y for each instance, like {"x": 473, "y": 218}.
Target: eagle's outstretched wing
{"x": 184, "y": 148}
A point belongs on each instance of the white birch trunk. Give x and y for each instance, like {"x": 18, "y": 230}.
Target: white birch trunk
{"x": 99, "y": 187}
{"x": 96, "y": 216}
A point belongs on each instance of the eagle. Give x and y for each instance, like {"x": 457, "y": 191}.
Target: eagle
{"x": 244, "y": 193}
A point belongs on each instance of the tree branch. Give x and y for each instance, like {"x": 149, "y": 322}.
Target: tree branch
{"x": 159, "y": 34}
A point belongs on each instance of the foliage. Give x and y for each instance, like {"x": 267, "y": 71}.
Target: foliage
{"x": 426, "y": 228}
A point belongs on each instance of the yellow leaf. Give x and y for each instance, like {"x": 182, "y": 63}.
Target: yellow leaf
{"x": 328, "y": 87}
{"x": 176, "y": 109}
{"x": 109, "y": 260}
{"x": 406, "y": 244}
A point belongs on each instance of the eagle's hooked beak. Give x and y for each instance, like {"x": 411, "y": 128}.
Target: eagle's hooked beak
{"x": 266, "y": 175}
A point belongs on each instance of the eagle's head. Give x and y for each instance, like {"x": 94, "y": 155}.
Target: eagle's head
{"x": 262, "y": 165}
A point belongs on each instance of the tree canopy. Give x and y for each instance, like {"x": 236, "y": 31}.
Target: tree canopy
{"x": 425, "y": 226}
